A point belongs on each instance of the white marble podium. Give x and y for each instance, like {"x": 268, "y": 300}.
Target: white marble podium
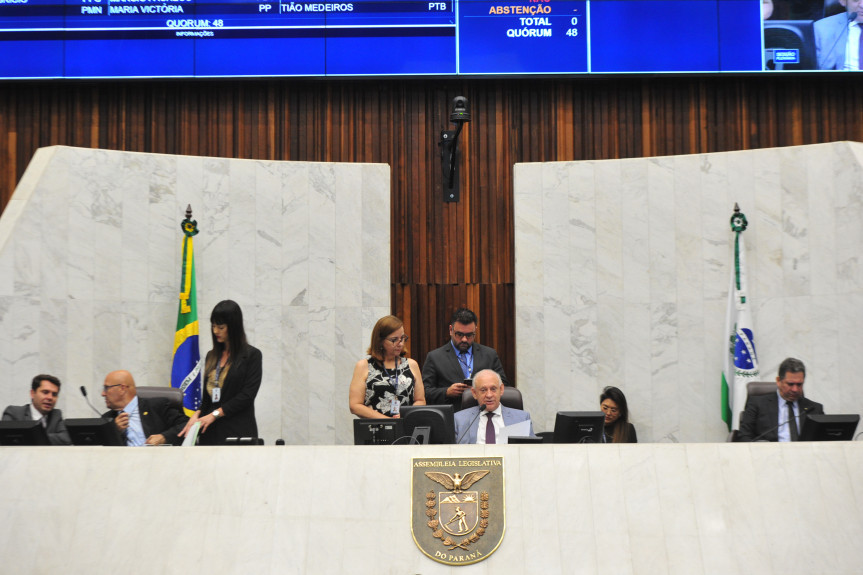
{"x": 645, "y": 509}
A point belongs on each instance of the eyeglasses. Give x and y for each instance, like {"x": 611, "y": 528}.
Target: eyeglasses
{"x": 460, "y": 335}
{"x": 611, "y": 410}
{"x": 396, "y": 340}
{"x": 107, "y": 387}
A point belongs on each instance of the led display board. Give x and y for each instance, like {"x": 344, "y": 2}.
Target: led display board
{"x": 260, "y": 38}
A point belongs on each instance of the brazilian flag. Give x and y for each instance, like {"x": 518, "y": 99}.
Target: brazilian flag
{"x": 186, "y": 371}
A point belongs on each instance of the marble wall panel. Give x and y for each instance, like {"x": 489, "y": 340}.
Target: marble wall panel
{"x": 90, "y": 250}
{"x": 651, "y": 255}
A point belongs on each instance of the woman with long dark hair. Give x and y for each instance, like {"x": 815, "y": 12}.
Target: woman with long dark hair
{"x": 232, "y": 377}
{"x": 386, "y": 379}
{"x": 612, "y": 402}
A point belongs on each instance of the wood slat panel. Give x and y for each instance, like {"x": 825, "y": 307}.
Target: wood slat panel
{"x": 443, "y": 255}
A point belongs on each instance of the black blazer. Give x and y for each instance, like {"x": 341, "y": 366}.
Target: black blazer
{"x": 55, "y": 428}
{"x": 442, "y": 368}
{"x": 237, "y": 401}
{"x": 762, "y": 414}
{"x": 158, "y": 417}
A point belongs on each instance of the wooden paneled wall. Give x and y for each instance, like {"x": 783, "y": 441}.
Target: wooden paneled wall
{"x": 443, "y": 255}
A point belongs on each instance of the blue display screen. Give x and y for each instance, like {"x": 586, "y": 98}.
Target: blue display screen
{"x": 207, "y": 38}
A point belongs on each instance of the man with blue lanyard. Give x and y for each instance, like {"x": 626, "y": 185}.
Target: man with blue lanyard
{"x": 448, "y": 370}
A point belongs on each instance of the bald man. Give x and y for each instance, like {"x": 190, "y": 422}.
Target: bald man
{"x": 141, "y": 421}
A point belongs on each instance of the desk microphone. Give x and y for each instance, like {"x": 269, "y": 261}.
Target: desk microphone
{"x": 87, "y": 399}
{"x": 797, "y": 417}
{"x": 460, "y": 437}
{"x": 851, "y": 17}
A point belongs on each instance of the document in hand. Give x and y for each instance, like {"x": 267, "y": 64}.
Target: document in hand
{"x": 192, "y": 435}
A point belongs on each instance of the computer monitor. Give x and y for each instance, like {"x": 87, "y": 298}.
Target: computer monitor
{"x": 432, "y": 423}
{"x": 378, "y": 431}
{"x": 23, "y": 433}
{"x": 829, "y": 427}
{"x": 94, "y": 431}
{"x": 579, "y": 427}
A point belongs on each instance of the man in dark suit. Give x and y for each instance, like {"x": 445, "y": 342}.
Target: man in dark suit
{"x": 446, "y": 368}
{"x": 141, "y": 421}
{"x": 487, "y": 390}
{"x": 44, "y": 391}
{"x": 779, "y": 416}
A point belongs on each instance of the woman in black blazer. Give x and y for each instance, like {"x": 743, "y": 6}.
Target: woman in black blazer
{"x": 232, "y": 377}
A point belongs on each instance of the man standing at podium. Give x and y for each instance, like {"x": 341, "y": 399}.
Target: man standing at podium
{"x": 779, "y": 416}
{"x": 447, "y": 369}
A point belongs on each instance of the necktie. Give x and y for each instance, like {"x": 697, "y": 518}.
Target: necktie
{"x": 465, "y": 365}
{"x": 489, "y": 429}
{"x": 792, "y": 421}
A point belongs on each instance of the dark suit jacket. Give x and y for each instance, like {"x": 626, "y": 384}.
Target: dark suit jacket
{"x": 56, "y": 429}
{"x": 237, "y": 401}
{"x": 762, "y": 415}
{"x": 158, "y": 416}
{"x": 442, "y": 368}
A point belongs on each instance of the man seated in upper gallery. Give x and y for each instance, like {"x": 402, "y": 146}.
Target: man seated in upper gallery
{"x": 141, "y": 421}
{"x": 837, "y": 38}
{"x": 779, "y": 416}
{"x": 487, "y": 389}
{"x": 44, "y": 391}
{"x": 447, "y": 368}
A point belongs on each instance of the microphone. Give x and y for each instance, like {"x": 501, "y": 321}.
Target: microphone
{"x": 797, "y": 417}
{"x": 466, "y": 429}
{"x": 87, "y": 399}
{"x": 851, "y": 17}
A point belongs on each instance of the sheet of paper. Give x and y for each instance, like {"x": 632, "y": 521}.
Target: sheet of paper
{"x": 520, "y": 429}
{"x": 192, "y": 435}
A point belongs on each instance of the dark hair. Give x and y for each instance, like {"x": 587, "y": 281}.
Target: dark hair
{"x": 463, "y": 316}
{"x": 37, "y": 381}
{"x": 383, "y": 328}
{"x": 229, "y": 314}
{"x": 793, "y": 365}
{"x": 621, "y": 426}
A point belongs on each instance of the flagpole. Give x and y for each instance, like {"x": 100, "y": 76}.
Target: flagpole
{"x": 741, "y": 359}
{"x": 186, "y": 368}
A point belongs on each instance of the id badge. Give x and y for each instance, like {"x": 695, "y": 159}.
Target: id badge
{"x": 395, "y": 405}
{"x": 217, "y": 394}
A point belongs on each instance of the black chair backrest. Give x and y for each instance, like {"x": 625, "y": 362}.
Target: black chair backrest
{"x": 172, "y": 394}
{"x": 511, "y": 398}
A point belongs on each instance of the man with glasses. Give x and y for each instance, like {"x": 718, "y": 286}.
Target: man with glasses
{"x": 141, "y": 421}
{"x": 447, "y": 371}
{"x": 779, "y": 416}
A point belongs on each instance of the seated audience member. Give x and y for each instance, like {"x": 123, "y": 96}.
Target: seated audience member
{"x": 446, "y": 368}
{"x": 43, "y": 397}
{"x": 779, "y": 416}
{"x": 141, "y": 421}
{"x": 837, "y": 38}
{"x": 612, "y": 402}
{"x": 487, "y": 389}
{"x": 386, "y": 378}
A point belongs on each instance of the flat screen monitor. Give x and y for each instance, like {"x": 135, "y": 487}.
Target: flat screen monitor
{"x": 829, "y": 427}
{"x": 579, "y": 427}
{"x": 439, "y": 419}
{"x": 94, "y": 431}
{"x": 23, "y": 433}
{"x": 378, "y": 431}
